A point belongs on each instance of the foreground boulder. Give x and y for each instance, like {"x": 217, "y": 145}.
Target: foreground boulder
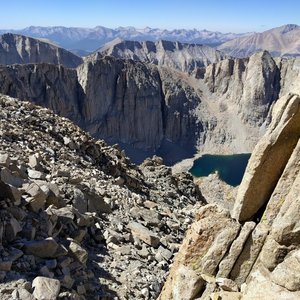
{"x": 45, "y": 288}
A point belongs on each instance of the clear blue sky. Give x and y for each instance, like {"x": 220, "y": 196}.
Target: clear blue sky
{"x": 221, "y": 15}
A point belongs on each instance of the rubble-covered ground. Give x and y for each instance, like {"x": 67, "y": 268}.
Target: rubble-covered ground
{"x": 77, "y": 219}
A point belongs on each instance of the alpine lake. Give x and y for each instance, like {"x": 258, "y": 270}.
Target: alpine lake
{"x": 230, "y": 168}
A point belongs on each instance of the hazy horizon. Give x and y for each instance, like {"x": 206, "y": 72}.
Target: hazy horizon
{"x": 227, "y": 16}
{"x": 141, "y": 28}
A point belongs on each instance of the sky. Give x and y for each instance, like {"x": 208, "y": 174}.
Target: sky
{"x": 215, "y": 15}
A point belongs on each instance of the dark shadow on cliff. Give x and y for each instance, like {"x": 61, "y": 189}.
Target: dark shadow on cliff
{"x": 170, "y": 152}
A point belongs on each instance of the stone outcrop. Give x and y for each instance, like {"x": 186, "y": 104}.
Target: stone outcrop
{"x": 175, "y": 55}
{"x": 77, "y": 219}
{"x": 204, "y": 246}
{"x": 269, "y": 158}
{"x": 19, "y": 49}
{"x": 260, "y": 259}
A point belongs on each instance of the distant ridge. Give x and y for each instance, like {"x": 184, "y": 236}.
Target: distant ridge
{"x": 280, "y": 41}
{"x": 181, "y": 56}
{"x": 19, "y": 49}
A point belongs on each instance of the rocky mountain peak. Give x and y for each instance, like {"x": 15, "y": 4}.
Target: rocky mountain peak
{"x": 19, "y": 49}
{"x": 280, "y": 41}
{"x": 288, "y": 28}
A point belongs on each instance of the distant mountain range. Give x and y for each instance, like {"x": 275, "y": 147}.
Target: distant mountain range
{"x": 280, "y": 41}
{"x": 175, "y": 55}
{"x": 90, "y": 39}
{"x": 20, "y": 49}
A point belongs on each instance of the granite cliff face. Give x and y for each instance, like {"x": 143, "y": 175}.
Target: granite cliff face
{"x": 224, "y": 108}
{"x": 175, "y": 55}
{"x": 121, "y": 101}
{"x": 251, "y": 84}
{"x": 255, "y": 253}
{"x": 19, "y": 49}
{"x": 48, "y": 85}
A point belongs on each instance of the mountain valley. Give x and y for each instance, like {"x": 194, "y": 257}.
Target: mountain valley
{"x": 151, "y": 109}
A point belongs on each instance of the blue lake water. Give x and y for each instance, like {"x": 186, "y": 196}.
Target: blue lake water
{"x": 230, "y": 168}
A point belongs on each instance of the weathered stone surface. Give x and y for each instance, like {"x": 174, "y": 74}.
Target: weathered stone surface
{"x": 34, "y": 174}
{"x": 34, "y": 161}
{"x": 45, "y": 288}
{"x": 46, "y": 248}
{"x": 4, "y": 160}
{"x": 227, "y": 284}
{"x": 80, "y": 201}
{"x": 22, "y": 294}
{"x": 80, "y": 253}
{"x": 269, "y": 158}
{"x": 260, "y": 286}
{"x": 226, "y": 296}
{"x": 5, "y": 265}
{"x": 96, "y": 203}
{"x": 286, "y": 274}
{"x": 38, "y": 197}
{"x": 9, "y": 178}
{"x": 11, "y": 229}
{"x": 10, "y": 192}
{"x": 236, "y": 248}
{"x": 144, "y": 234}
{"x": 283, "y": 188}
{"x": 272, "y": 253}
{"x": 285, "y": 229}
{"x": 248, "y": 256}
{"x": 203, "y": 248}
{"x": 151, "y": 217}
{"x": 186, "y": 284}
